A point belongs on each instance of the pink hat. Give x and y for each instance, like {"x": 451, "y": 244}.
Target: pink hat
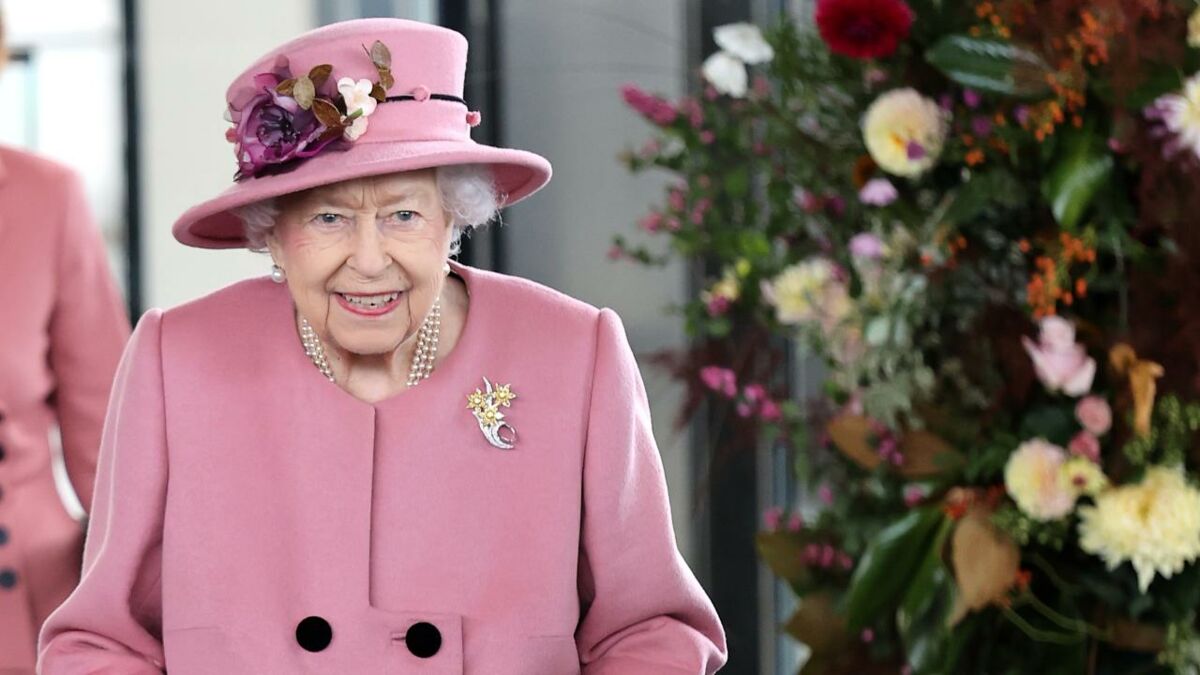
{"x": 353, "y": 99}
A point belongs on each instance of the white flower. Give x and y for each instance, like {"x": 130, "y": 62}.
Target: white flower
{"x": 904, "y": 132}
{"x": 356, "y": 129}
{"x": 1033, "y": 477}
{"x": 357, "y": 96}
{"x": 1155, "y": 525}
{"x": 809, "y": 291}
{"x": 1181, "y": 114}
{"x": 727, "y": 74}
{"x": 745, "y": 41}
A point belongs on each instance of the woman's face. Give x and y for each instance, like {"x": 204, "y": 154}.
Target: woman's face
{"x": 364, "y": 258}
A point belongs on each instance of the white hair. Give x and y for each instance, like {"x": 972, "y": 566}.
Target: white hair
{"x": 468, "y": 192}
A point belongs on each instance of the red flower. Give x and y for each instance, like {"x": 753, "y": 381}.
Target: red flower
{"x": 863, "y": 29}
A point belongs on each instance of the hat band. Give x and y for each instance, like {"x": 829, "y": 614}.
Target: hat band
{"x": 434, "y": 97}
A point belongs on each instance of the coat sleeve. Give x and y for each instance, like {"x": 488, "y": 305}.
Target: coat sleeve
{"x": 111, "y": 623}
{"x": 88, "y": 330}
{"x": 643, "y": 611}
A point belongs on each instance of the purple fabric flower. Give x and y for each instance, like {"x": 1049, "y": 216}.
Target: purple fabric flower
{"x": 271, "y": 129}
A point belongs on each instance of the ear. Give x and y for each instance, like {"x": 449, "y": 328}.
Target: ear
{"x": 274, "y": 246}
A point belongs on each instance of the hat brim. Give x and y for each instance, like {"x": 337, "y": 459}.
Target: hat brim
{"x": 212, "y": 224}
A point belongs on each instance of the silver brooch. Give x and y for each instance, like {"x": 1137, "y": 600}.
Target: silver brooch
{"x": 486, "y": 405}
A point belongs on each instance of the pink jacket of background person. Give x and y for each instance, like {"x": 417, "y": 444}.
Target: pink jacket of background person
{"x": 252, "y": 517}
{"x": 62, "y": 330}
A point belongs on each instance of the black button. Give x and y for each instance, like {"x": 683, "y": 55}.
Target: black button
{"x": 3, "y": 536}
{"x": 8, "y": 578}
{"x": 314, "y": 633}
{"x": 423, "y": 640}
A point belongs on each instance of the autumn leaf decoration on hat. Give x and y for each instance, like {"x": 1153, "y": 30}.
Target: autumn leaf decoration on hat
{"x": 282, "y": 119}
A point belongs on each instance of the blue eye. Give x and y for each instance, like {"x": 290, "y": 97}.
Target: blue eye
{"x": 327, "y": 219}
{"x": 405, "y": 216}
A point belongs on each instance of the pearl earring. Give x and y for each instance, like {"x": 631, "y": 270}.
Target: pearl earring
{"x": 446, "y": 268}
{"x": 277, "y": 274}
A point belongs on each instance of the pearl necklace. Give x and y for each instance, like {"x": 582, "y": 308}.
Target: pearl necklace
{"x": 423, "y": 358}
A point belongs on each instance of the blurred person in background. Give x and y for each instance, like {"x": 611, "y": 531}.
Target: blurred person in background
{"x": 320, "y": 471}
{"x": 62, "y": 331}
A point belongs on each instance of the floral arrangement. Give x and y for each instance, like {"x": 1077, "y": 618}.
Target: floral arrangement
{"x": 283, "y": 119}
{"x": 975, "y": 221}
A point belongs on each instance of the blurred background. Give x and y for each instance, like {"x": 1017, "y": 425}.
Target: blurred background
{"x": 150, "y": 76}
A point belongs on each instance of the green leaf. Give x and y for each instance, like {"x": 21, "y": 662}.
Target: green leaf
{"x": 991, "y": 65}
{"x": 1083, "y": 167}
{"x": 921, "y": 617}
{"x": 1056, "y": 425}
{"x": 737, "y": 183}
{"x": 888, "y": 564}
{"x": 995, "y": 186}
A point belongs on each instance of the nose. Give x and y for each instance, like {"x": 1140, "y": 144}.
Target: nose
{"x": 368, "y": 256}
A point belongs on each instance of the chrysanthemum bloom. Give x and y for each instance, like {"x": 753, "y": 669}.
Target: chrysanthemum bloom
{"x": 808, "y": 291}
{"x": 1179, "y": 117}
{"x": 863, "y": 29}
{"x": 1155, "y": 525}
{"x": 904, "y": 132}
{"x": 1033, "y": 477}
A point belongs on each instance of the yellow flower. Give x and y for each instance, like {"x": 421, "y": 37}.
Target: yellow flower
{"x": 503, "y": 395}
{"x": 1083, "y": 476}
{"x": 476, "y": 400}
{"x": 491, "y": 414}
{"x": 1154, "y": 524}
{"x": 1033, "y": 478}
{"x": 807, "y": 291}
{"x": 728, "y": 287}
{"x": 904, "y": 132}
{"x": 1194, "y": 28}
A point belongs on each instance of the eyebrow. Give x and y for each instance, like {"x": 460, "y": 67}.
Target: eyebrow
{"x": 345, "y": 200}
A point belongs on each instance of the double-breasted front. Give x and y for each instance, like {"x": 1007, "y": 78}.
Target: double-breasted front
{"x": 252, "y": 517}
{"x": 62, "y": 330}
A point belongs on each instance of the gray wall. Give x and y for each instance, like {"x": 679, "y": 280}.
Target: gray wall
{"x": 564, "y": 62}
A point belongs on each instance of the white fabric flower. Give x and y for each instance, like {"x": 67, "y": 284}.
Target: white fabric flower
{"x": 357, "y": 96}
{"x": 356, "y": 129}
{"x": 727, "y": 74}
{"x": 744, "y": 41}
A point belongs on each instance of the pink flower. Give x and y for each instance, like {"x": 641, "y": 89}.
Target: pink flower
{"x": 1060, "y": 363}
{"x": 825, "y": 494}
{"x": 878, "y": 192}
{"x": 474, "y": 118}
{"x": 719, "y": 379}
{"x": 1085, "y": 445}
{"x": 651, "y": 107}
{"x": 760, "y": 86}
{"x": 707, "y": 137}
{"x": 1094, "y": 414}
{"x": 867, "y": 636}
{"x": 812, "y": 553}
{"x": 972, "y": 98}
{"x": 615, "y": 252}
{"x": 981, "y": 125}
{"x": 807, "y": 200}
{"x": 770, "y": 411}
{"x": 673, "y": 224}
{"x": 845, "y": 562}
{"x": 651, "y": 222}
{"x": 754, "y": 393}
{"x": 772, "y": 516}
{"x": 828, "y": 556}
{"x": 693, "y": 110}
{"x": 913, "y": 495}
{"x": 866, "y": 245}
{"x": 718, "y": 305}
{"x": 795, "y": 522}
{"x": 676, "y": 199}
{"x": 744, "y": 409}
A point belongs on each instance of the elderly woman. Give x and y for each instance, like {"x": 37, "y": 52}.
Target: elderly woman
{"x": 377, "y": 461}
{"x": 62, "y": 330}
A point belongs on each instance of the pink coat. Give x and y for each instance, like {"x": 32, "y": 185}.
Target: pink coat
{"x": 62, "y": 330}
{"x": 252, "y": 517}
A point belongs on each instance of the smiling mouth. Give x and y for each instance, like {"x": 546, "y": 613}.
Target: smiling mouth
{"x": 370, "y": 301}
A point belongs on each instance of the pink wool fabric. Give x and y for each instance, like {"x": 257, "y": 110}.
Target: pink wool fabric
{"x": 401, "y": 135}
{"x": 62, "y": 333}
{"x": 240, "y": 492}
